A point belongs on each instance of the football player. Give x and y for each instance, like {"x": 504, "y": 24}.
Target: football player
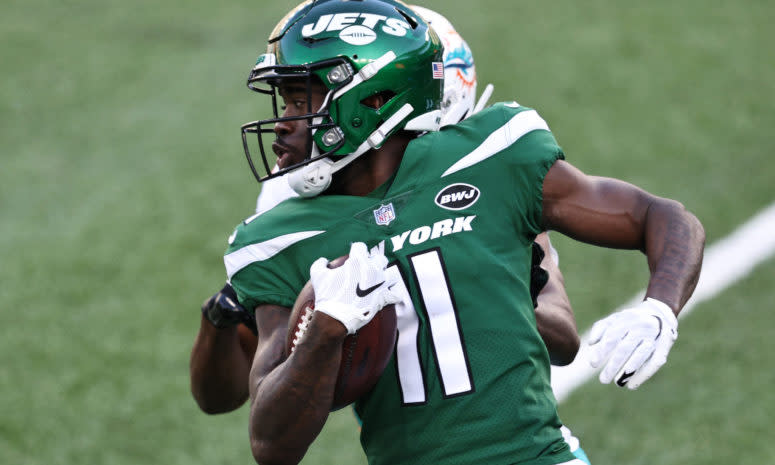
{"x": 361, "y": 83}
{"x": 214, "y": 389}
{"x": 217, "y": 369}
{"x": 554, "y": 315}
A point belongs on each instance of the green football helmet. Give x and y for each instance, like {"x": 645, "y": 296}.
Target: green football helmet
{"x": 357, "y": 49}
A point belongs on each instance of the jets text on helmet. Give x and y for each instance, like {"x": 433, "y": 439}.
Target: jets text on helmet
{"x": 339, "y": 21}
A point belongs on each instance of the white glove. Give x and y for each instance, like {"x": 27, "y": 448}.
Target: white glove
{"x": 354, "y": 292}
{"x": 637, "y": 341}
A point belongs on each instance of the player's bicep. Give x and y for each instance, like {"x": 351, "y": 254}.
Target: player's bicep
{"x": 597, "y": 210}
{"x": 272, "y": 323}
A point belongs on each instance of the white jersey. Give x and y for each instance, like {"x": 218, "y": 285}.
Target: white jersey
{"x": 572, "y": 440}
{"x": 272, "y": 193}
{"x": 552, "y": 251}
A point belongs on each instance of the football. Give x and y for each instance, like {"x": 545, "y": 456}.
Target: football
{"x": 364, "y": 354}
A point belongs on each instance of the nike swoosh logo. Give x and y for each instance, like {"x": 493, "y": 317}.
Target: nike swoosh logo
{"x": 624, "y": 378}
{"x": 364, "y": 292}
{"x": 659, "y": 331}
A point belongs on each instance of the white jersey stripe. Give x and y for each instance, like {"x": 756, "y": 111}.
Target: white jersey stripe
{"x": 243, "y": 257}
{"x": 521, "y": 124}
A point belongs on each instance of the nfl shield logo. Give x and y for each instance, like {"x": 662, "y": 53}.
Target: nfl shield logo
{"x": 385, "y": 214}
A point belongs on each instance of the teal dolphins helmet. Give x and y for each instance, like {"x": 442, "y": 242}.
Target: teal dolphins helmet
{"x": 356, "y": 49}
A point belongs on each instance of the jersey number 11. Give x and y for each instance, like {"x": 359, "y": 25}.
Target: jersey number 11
{"x": 442, "y": 321}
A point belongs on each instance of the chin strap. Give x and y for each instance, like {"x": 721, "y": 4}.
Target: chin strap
{"x": 312, "y": 179}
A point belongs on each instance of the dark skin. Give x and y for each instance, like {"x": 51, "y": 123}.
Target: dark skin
{"x": 219, "y": 366}
{"x": 554, "y": 315}
{"x": 612, "y": 213}
{"x": 290, "y": 399}
{"x": 221, "y": 358}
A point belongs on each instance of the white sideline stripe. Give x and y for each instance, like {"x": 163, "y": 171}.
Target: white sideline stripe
{"x": 521, "y": 124}
{"x": 261, "y": 251}
{"x": 726, "y": 262}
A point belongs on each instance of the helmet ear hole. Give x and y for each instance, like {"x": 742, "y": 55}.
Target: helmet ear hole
{"x": 412, "y": 22}
{"x": 376, "y": 101}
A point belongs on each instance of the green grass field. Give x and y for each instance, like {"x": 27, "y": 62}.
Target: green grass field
{"x": 122, "y": 175}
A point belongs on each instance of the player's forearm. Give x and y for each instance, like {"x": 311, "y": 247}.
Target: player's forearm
{"x": 674, "y": 244}
{"x": 554, "y": 314}
{"x": 218, "y": 369}
{"x": 557, "y": 328}
{"x": 555, "y": 321}
{"x": 290, "y": 404}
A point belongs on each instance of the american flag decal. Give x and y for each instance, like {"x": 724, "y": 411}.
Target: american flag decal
{"x": 438, "y": 70}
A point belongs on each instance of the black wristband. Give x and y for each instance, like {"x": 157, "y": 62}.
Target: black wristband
{"x": 223, "y": 310}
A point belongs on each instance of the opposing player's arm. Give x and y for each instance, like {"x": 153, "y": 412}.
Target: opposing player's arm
{"x": 613, "y": 213}
{"x": 291, "y": 398}
{"x": 554, "y": 314}
{"x": 220, "y": 363}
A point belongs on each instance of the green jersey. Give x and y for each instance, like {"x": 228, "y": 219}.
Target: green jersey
{"x": 469, "y": 380}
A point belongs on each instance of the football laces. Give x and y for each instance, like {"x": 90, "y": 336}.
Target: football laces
{"x": 301, "y": 328}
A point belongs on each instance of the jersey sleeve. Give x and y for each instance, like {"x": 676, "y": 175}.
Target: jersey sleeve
{"x": 528, "y": 192}
{"x": 531, "y": 153}
{"x": 509, "y": 148}
{"x": 261, "y": 268}
{"x": 258, "y": 284}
